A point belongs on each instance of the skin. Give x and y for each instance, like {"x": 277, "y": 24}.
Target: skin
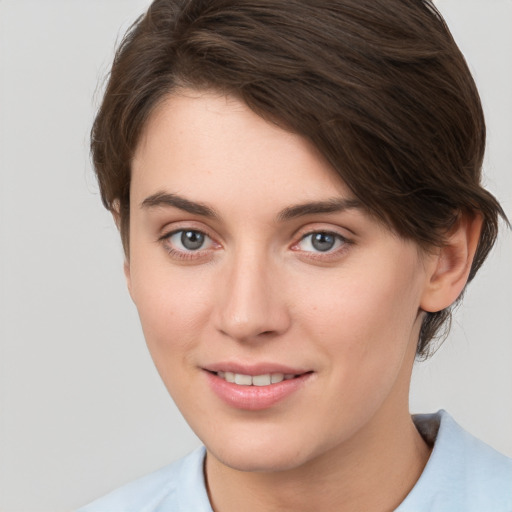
{"x": 259, "y": 291}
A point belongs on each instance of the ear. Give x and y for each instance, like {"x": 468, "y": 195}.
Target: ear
{"x": 126, "y": 265}
{"x": 127, "y": 275}
{"x": 451, "y": 264}
{"x": 115, "y": 213}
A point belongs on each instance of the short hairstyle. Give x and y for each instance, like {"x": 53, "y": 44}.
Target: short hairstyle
{"x": 378, "y": 86}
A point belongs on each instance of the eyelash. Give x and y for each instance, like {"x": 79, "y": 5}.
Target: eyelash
{"x": 329, "y": 254}
{"x": 188, "y": 255}
{"x": 185, "y": 254}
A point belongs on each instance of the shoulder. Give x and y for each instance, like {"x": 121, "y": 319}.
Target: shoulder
{"x": 176, "y": 487}
{"x": 463, "y": 473}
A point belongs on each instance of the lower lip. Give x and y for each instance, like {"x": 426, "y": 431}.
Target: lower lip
{"x": 254, "y": 398}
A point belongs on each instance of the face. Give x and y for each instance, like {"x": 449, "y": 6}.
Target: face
{"x": 281, "y": 317}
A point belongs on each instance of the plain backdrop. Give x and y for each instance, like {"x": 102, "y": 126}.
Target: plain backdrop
{"x": 82, "y": 409}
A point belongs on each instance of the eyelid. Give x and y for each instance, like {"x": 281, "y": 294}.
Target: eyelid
{"x": 344, "y": 233}
{"x": 337, "y": 236}
{"x": 201, "y": 253}
{"x": 178, "y": 231}
{"x": 174, "y": 227}
{"x": 325, "y": 256}
{"x": 186, "y": 254}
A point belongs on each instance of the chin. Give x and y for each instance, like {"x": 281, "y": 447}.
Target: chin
{"x": 263, "y": 453}
{"x": 267, "y": 460}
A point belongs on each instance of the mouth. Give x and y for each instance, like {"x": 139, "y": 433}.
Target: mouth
{"x": 256, "y": 389}
{"x": 265, "y": 379}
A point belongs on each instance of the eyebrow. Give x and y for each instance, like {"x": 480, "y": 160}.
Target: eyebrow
{"x": 334, "y": 205}
{"x": 165, "y": 199}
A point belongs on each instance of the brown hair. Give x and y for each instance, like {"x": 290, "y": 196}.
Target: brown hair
{"x": 379, "y": 86}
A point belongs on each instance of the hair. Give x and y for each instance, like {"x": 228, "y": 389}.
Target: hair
{"x": 379, "y": 87}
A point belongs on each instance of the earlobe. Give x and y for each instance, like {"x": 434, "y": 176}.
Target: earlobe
{"x": 115, "y": 213}
{"x": 127, "y": 275}
{"x": 126, "y": 266}
{"x": 451, "y": 264}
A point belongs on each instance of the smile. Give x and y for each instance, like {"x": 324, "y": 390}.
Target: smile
{"x": 256, "y": 391}
{"x": 254, "y": 380}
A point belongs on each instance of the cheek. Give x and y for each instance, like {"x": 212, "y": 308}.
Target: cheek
{"x": 362, "y": 319}
{"x": 173, "y": 307}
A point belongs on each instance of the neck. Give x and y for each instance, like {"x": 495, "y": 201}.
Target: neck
{"x": 373, "y": 472}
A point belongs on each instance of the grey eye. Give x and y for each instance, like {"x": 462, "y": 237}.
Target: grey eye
{"x": 188, "y": 240}
{"x": 321, "y": 242}
{"x": 192, "y": 240}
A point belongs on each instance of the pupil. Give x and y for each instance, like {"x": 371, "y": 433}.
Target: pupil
{"x": 323, "y": 241}
{"x": 192, "y": 240}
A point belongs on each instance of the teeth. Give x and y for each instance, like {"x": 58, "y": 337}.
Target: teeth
{"x": 276, "y": 377}
{"x": 262, "y": 380}
{"x": 254, "y": 380}
{"x": 243, "y": 380}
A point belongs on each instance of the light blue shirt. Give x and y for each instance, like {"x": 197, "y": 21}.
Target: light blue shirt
{"x": 463, "y": 474}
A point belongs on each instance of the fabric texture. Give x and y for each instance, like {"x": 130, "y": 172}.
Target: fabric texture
{"x": 463, "y": 474}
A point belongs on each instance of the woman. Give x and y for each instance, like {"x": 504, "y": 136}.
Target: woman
{"x": 297, "y": 188}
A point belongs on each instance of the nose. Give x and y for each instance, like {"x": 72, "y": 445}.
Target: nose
{"x": 251, "y": 303}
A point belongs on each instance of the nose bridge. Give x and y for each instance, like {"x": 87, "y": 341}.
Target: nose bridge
{"x": 251, "y": 305}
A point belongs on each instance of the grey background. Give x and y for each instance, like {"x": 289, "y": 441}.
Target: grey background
{"x": 81, "y": 408}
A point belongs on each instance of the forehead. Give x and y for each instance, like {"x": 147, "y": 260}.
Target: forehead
{"x": 210, "y": 146}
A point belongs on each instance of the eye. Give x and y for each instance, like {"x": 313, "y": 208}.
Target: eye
{"x": 320, "y": 241}
{"x": 188, "y": 240}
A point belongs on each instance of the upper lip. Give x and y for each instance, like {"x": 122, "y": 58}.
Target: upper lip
{"x": 254, "y": 368}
